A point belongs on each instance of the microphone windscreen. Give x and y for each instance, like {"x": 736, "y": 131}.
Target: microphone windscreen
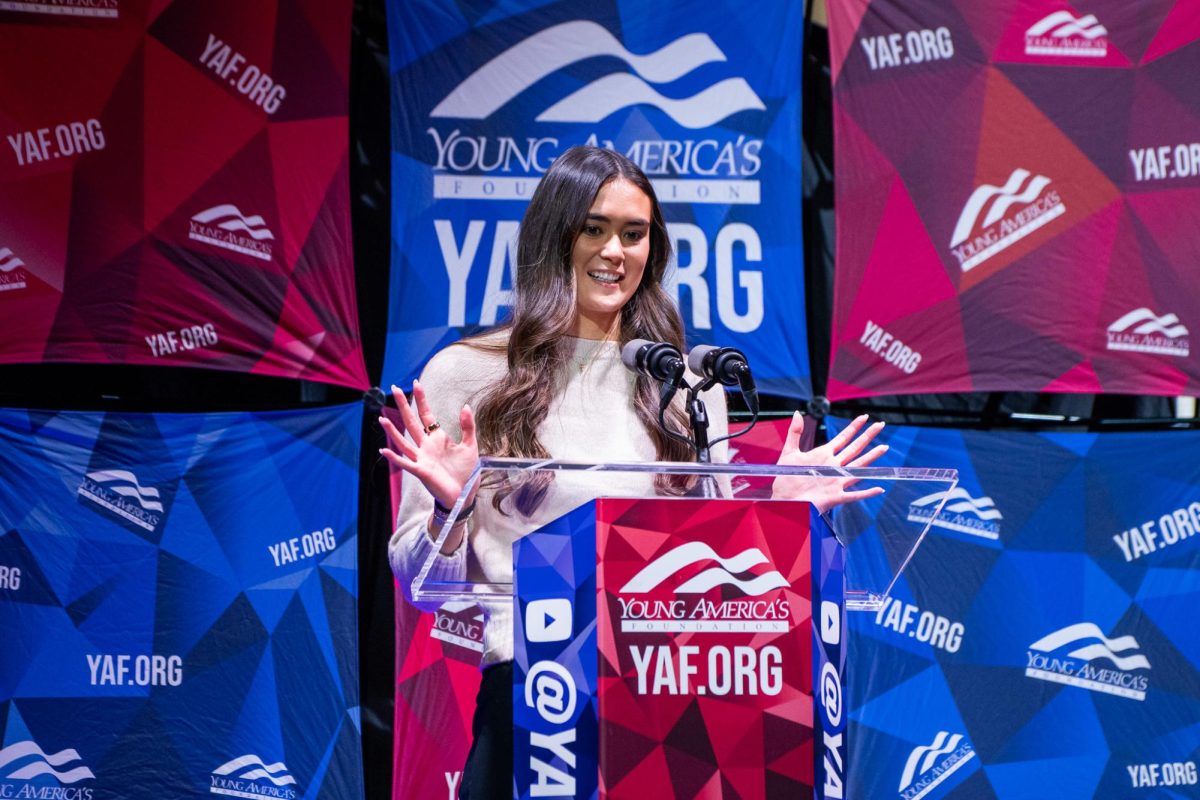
{"x": 629, "y": 354}
{"x": 696, "y": 358}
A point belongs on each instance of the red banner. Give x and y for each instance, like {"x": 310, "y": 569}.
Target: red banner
{"x": 173, "y": 189}
{"x": 1018, "y": 197}
{"x": 705, "y": 639}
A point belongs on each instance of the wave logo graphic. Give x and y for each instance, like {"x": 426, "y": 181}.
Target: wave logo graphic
{"x": 1064, "y": 34}
{"x": 70, "y": 8}
{"x": 674, "y": 561}
{"x": 1002, "y": 226}
{"x": 227, "y": 227}
{"x": 11, "y": 275}
{"x": 509, "y": 74}
{"x": 25, "y": 761}
{"x": 1143, "y": 331}
{"x": 120, "y": 492}
{"x": 977, "y": 516}
{"x": 8, "y": 261}
{"x": 250, "y": 776}
{"x": 928, "y": 766}
{"x": 1087, "y": 644}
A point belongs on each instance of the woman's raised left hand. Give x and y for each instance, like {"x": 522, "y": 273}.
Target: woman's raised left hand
{"x": 847, "y": 449}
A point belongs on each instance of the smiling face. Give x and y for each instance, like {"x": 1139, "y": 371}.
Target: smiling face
{"x": 609, "y": 258}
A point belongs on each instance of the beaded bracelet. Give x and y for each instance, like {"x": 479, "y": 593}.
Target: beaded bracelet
{"x": 441, "y": 513}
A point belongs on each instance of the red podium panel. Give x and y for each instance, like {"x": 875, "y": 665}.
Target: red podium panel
{"x": 705, "y": 638}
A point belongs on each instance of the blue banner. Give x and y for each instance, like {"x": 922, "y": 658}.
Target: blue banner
{"x": 178, "y": 596}
{"x": 555, "y": 676}
{"x": 1043, "y": 637}
{"x": 702, "y": 95}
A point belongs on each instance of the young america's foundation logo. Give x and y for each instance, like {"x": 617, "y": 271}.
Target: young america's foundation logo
{"x": 1143, "y": 331}
{"x": 459, "y": 623}
{"x": 1021, "y": 206}
{"x": 961, "y": 512}
{"x": 42, "y": 774}
{"x": 12, "y": 271}
{"x": 249, "y": 776}
{"x": 227, "y": 227}
{"x": 1094, "y": 661}
{"x": 119, "y": 492}
{"x": 683, "y": 608}
{"x": 1064, "y": 34}
{"x": 931, "y": 765}
{"x": 70, "y": 8}
{"x": 509, "y": 74}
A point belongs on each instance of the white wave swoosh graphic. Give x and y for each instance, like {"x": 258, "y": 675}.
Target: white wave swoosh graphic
{"x": 939, "y": 747}
{"x": 129, "y": 491}
{"x": 1174, "y": 332}
{"x": 1082, "y": 630}
{"x": 710, "y": 578}
{"x": 1094, "y": 651}
{"x": 256, "y": 774}
{"x": 992, "y": 513}
{"x": 1168, "y": 325}
{"x": 30, "y": 748}
{"x": 257, "y": 233}
{"x": 1001, "y": 206}
{"x": 524, "y": 64}
{"x": 146, "y": 496}
{"x": 1050, "y": 21}
{"x": 1133, "y": 317}
{"x": 248, "y": 760}
{"x": 1061, "y": 21}
{"x": 1076, "y": 30}
{"x": 611, "y": 93}
{"x": 674, "y": 560}
{"x": 975, "y": 203}
{"x": 958, "y": 501}
{"x": 41, "y": 768}
{"x": 223, "y": 210}
{"x": 8, "y": 261}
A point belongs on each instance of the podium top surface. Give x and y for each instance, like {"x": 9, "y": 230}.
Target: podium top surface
{"x": 526, "y": 465}
{"x": 881, "y": 514}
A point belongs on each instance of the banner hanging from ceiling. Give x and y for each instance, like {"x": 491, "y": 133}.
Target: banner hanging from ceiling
{"x": 1044, "y": 632}
{"x": 703, "y": 96}
{"x": 179, "y": 605}
{"x": 1018, "y": 197}
{"x": 173, "y": 186}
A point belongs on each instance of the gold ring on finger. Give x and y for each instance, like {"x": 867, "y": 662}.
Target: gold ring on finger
{"x": 431, "y": 427}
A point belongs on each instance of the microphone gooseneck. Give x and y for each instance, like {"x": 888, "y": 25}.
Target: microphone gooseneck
{"x": 724, "y": 365}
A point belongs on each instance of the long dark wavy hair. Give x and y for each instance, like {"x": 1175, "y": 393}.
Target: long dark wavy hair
{"x": 543, "y": 319}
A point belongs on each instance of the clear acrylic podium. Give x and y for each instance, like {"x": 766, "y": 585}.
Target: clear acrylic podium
{"x": 677, "y": 627}
{"x": 881, "y": 533}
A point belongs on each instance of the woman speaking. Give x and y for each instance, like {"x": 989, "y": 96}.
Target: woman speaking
{"x": 549, "y": 383}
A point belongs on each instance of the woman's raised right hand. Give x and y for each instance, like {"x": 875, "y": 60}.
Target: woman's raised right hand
{"x": 434, "y": 458}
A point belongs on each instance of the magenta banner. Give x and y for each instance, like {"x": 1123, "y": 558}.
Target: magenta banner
{"x": 173, "y": 186}
{"x": 1018, "y": 196}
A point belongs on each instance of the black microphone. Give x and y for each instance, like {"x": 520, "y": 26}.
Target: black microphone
{"x": 727, "y": 366}
{"x": 659, "y": 360}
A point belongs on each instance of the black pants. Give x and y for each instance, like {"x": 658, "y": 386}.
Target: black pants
{"x": 488, "y": 773}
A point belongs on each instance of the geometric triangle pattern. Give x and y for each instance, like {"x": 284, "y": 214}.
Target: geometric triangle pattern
{"x": 179, "y": 605}
{"x": 437, "y": 680}
{"x": 174, "y": 188}
{"x": 1044, "y": 633}
{"x": 1018, "y": 191}
{"x": 702, "y": 96}
{"x": 723, "y": 590}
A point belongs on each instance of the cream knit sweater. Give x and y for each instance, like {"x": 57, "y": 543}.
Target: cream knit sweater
{"x": 592, "y": 419}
